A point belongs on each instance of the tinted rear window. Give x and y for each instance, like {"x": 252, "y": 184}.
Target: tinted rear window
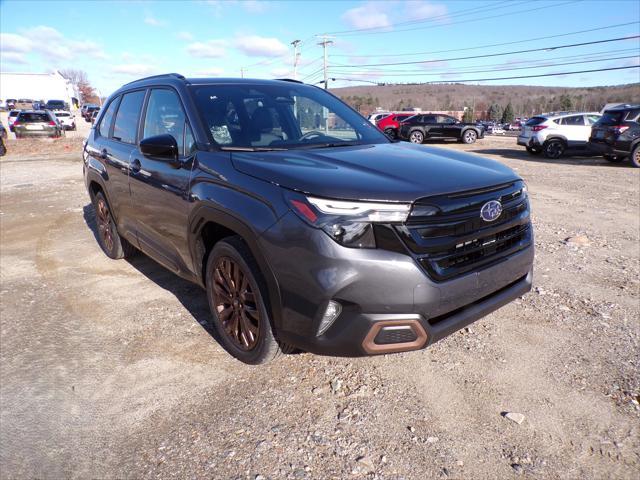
{"x": 33, "y": 117}
{"x": 14, "y": 114}
{"x": 612, "y": 118}
{"x": 532, "y": 122}
{"x": 126, "y": 124}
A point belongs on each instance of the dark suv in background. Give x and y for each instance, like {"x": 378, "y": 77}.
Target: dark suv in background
{"x": 432, "y": 126}
{"x": 617, "y": 134}
{"x": 305, "y": 224}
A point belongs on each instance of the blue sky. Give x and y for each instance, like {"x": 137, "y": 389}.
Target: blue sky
{"x": 116, "y": 42}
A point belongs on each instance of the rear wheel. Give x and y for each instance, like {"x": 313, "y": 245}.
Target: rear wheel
{"x": 390, "y": 132}
{"x": 236, "y": 293}
{"x": 534, "y": 150}
{"x": 469, "y": 136}
{"x": 553, "y": 148}
{"x": 635, "y": 156}
{"x": 416, "y": 136}
{"x": 113, "y": 245}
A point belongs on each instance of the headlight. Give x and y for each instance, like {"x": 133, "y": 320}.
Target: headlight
{"x": 348, "y": 223}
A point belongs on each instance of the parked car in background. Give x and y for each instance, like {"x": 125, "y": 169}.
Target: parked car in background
{"x": 66, "y": 119}
{"x": 11, "y": 103}
{"x": 3, "y": 131}
{"x": 3, "y": 138}
{"x": 495, "y": 130}
{"x": 376, "y": 117}
{"x": 616, "y": 135}
{"x": 33, "y": 123}
{"x": 54, "y": 105}
{"x": 430, "y": 126}
{"x": 89, "y": 111}
{"x": 24, "y": 104}
{"x": 552, "y": 135}
{"x": 391, "y": 123}
{"x": 13, "y": 114}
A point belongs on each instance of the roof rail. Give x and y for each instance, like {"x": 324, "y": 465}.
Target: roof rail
{"x": 163, "y": 75}
{"x": 289, "y": 80}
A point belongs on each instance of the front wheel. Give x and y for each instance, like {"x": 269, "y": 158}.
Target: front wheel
{"x": 553, "y": 149}
{"x": 635, "y": 156}
{"x": 236, "y": 293}
{"x": 534, "y": 151}
{"x": 469, "y": 136}
{"x": 416, "y": 136}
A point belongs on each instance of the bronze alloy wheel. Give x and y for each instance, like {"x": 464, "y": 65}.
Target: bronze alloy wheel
{"x": 235, "y": 304}
{"x": 105, "y": 227}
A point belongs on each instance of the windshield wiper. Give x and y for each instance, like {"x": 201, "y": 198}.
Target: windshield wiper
{"x": 328, "y": 145}
{"x": 253, "y": 149}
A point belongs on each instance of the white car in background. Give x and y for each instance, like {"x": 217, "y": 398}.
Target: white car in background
{"x": 376, "y": 117}
{"x": 66, "y": 119}
{"x": 552, "y": 135}
{"x": 13, "y": 114}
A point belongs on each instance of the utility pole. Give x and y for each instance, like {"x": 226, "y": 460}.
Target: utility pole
{"x": 296, "y": 58}
{"x": 325, "y": 42}
{"x": 241, "y": 72}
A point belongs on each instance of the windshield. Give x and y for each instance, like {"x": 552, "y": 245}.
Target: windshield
{"x": 246, "y": 116}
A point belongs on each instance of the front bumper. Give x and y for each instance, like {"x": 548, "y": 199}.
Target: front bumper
{"x": 376, "y": 289}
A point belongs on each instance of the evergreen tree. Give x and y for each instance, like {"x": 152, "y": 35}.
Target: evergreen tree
{"x": 565, "y": 102}
{"x": 508, "y": 115}
{"x": 495, "y": 112}
{"x": 469, "y": 116}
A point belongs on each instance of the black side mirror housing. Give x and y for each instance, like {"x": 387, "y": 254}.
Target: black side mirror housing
{"x": 161, "y": 147}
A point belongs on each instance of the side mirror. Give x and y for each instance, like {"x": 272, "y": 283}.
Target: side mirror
{"x": 162, "y": 147}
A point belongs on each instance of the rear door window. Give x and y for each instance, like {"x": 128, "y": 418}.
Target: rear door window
{"x": 429, "y": 119}
{"x": 574, "y": 120}
{"x": 125, "y": 128}
{"x": 107, "y": 118}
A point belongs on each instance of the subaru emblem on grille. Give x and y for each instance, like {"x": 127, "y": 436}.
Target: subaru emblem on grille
{"x": 491, "y": 210}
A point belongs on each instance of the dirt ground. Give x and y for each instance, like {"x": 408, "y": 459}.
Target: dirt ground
{"x": 108, "y": 368}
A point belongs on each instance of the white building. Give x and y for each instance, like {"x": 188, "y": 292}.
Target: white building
{"x": 37, "y": 86}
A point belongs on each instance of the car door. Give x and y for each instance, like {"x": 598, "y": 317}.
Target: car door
{"x": 159, "y": 188}
{"x": 430, "y": 124}
{"x": 115, "y": 137}
{"x": 575, "y": 130}
{"x": 448, "y": 126}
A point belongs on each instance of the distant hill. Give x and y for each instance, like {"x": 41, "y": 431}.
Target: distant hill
{"x": 526, "y": 100}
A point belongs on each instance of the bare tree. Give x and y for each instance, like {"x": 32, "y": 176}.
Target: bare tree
{"x": 80, "y": 80}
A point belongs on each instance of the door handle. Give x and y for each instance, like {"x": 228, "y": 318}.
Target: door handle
{"x": 135, "y": 166}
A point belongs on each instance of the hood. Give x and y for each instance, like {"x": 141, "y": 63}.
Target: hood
{"x": 399, "y": 172}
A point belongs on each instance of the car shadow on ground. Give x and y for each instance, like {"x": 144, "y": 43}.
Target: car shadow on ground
{"x": 571, "y": 158}
{"x": 190, "y": 295}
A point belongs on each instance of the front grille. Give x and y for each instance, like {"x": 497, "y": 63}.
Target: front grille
{"x": 390, "y": 335}
{"x": 456, "y": 240}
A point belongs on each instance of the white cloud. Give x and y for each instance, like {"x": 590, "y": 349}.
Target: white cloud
{"x": 420, "y": 9}
{"x": 184, "y": 36}
{"x": 210, "y": 49}
{"x": 254, "y": 6}
{"x": 368, "y": 15}
{"x": 11, "y": 42}
{"x": 135, "y": 69}
{"x": 255, "y": 46}
{"x": 153, "y": 21}
{"x": 13, "y": 57}
{"x": 211, "y": 72}
{"x": 88, "y": 48}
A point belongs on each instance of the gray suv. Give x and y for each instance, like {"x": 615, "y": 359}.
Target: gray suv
{"x": 306, "y": 226}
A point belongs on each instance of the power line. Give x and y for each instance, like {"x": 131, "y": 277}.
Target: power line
{"x": 425, "y": 74}
{"x": 491, "y": 54}
{"x": 516, "y": 77}
{"x": 425, "y": 19}
{"x": 477, "y": 19}
{"x": 490, "y": 45}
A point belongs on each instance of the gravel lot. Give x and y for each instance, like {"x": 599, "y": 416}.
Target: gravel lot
{"x": 108, "y": 368}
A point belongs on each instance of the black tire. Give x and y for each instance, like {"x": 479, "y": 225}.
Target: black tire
{"x": 3, "y": 149}
{"x": 534, "y": 151}
{"x": 613, "y": 158}
{"x": 112, "y": 244}
{"x": 469, "y": 136}
{"x": 635, "y": 156}
{"x": 235, "y": 285}
{"x": 416, "y": 136}
{"x": 391, "y": 133}
{"x": 553, "y": 148}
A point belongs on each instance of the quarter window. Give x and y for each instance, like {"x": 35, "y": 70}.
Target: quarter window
{"x": 126, "y": 123}
{"x": 107, "y": 118}
{"x": 165, "y": 116}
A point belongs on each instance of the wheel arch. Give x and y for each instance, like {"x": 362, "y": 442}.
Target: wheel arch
{"x": 208, "y": 226}
{"x": 562, "y": 138}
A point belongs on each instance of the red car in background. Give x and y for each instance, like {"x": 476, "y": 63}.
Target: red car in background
{"x": 390, "y": 124}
